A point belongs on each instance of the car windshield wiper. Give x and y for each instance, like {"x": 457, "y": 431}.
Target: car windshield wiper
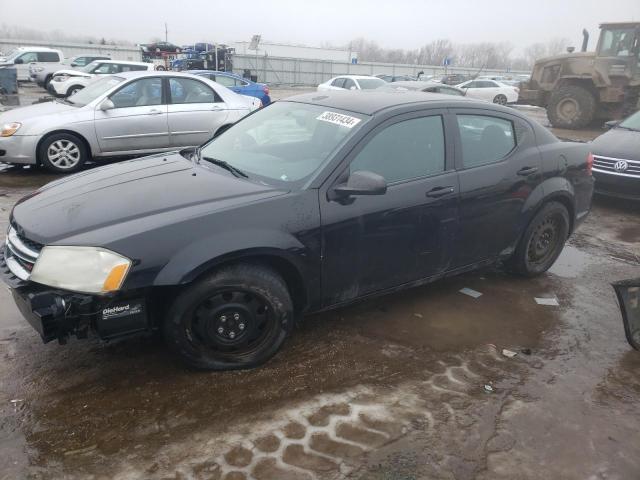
{"x": 628, "y": 128}
{"x": 221, "y": 163}
{"x": 65, "y": 101}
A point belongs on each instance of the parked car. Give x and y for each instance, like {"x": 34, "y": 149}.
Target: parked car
{"x": 42, "y": 73}
{"x": 131, "y": 113}
{"x": 431, "y": 87}
{"x": 453, "y": 79}
{"x": 160, "y": 47}
{"x": 351, "y": 82}
{"x": 490, "y": 91}
{"x": 308, "y": 204}
{"x": 240, "y": 85}
{"x": 182, "y": 64}
{"x": 395, "y": 78}
{"x": 65, "y": 83}
{"x": 22, "y": 57}
{"x": 616, "y": 159}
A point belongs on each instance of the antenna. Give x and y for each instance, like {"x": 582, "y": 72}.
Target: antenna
{"x": 166, "y": 32}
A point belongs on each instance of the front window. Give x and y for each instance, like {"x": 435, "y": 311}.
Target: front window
{"x": 29, "y": 57}
{"x": 370, "y": 83}
{"x": 284, "y": 143}
{"x": 93, "y": 90}
{"x": 617, "y": 43}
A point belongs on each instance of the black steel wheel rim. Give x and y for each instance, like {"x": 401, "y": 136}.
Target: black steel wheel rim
{"x": 544, "y": 241}
{"x": 233, "y": 323}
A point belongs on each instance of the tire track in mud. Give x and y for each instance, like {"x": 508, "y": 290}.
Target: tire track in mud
{"x": 324, "y": 437}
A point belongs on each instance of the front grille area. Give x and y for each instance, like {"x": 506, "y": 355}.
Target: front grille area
{"x": 608, "y": 165}
{"x": 20, "y": 254}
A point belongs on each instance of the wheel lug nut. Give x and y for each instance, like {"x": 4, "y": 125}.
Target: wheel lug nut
{"x": 236, "y": 316}
{"x": 232, "y": 335}
{"x": 241, "y": 326}
{"x": 220, "y": 330}
{"x": 223, "y": 318}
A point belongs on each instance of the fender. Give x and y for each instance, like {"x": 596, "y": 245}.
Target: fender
{"x": 201, "y": 255}
{"x": 552, "y": 188}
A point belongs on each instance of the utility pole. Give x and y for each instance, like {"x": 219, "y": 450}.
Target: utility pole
{"x": 166, "y": 32}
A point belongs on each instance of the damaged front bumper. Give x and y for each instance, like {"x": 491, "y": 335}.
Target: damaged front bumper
{"x": 57, "y": 314}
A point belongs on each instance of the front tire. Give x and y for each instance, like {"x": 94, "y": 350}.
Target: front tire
{"x": 571, "y": 107}
{"x": 74, "y": 89}
{"x": 237, "y": 317}
{"x": 542, "y": 242}
{"x": 63, "y": 153}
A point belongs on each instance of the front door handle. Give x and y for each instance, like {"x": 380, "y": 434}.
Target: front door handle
{"x": 155, "y": 111}
{"x": 526, "y": 171}
{"x": 438, "y": 192}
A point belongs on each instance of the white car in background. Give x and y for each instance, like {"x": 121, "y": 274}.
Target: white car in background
{"x": 490, "y": 91}
{"x": 21, "y": 57}
{"x": 127, "y": 114}
{"x": 352, "y": 82}
{"x": 65, "y": 83}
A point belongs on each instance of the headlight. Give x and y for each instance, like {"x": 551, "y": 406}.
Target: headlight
{"x": 9, "y": 129}
{"x": 61, "y": 78}
{"x": 81, "y": 269}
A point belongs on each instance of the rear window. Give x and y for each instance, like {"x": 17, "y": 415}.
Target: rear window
{"x": 485, "y": 139}
{"x": 48, "y": 57}
{"x": 370, "y": 83}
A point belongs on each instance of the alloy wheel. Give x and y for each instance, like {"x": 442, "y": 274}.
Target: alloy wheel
{"x": 63, "y": 154}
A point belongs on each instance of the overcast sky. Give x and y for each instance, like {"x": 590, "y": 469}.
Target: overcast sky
{"x": 392, "y": 23}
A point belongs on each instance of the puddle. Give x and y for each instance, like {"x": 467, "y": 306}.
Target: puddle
{"x": 572, "y": 262}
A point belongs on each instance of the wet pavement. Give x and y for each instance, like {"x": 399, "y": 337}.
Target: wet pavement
{"x": 407, "y": 386}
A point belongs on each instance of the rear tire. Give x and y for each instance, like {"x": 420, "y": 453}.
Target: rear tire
{"x": 63, "y": 153}
{"x": 500, "y": 99}
{"x": 237, "y": 317}
{"x": 542, "y": 241}
{"x": 571, "y": 107}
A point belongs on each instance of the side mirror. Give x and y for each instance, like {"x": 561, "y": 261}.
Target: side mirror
{"x": 18, "y": 61}
{"x": 352, "y": 88}
{"x": 612, "y": 124}
{"x": 628, "y": 293}
{"x": 107, "y": 104}
{"x": 360, "y": 182}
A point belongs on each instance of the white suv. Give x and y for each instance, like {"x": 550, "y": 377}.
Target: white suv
{"x": 67, "y": 82}
{"x": 21, "y": 57}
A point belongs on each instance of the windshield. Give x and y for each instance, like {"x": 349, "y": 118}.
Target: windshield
{"x": 93, "y": 90}
{"x": 12, "y": 54}
{"x": 632, "y": 122}
{"x": 284, "y": 143}
{"x": 88, "y": 67}
{"x": 369, "y": 83}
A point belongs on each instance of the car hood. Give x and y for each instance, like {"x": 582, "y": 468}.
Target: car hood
{"x": 73, "y": 73}
{"x": 106, "y": 204}
{"x": 33, "y": 111}
{"x": 618, "y": 143}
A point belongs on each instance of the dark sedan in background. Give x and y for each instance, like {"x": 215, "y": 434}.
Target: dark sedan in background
{"x": 431, "y": 87}
{"x": 308, "y": 204}
{"x": 616, "y": 159}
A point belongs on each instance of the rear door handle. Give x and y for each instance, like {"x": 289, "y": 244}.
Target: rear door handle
{"x": 526, "y": 171}
{"x": 155, "y": 111}
{"x": 438, "y": 192}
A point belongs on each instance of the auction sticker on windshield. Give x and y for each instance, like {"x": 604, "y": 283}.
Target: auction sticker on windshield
{"x": 339, "y": 119}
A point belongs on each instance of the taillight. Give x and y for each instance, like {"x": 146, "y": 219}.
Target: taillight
{"x": 590, "y": 163}
{"x": 265, "y": 89}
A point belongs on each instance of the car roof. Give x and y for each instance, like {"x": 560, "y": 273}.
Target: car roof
{"x": 41, "y": 49}
{"x": 122, "y": 62}
{"x": 217, "y": 72}
{"x": 418, "y": 84}
{"x": 153, "y": 73}
{"x": 357, "y": 77}
{"x": 371, "y": 101}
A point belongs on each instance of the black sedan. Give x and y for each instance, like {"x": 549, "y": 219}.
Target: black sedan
{"x": 308, "y": 204}
{"x": 616, "y": 159}
{"x": 430, "y": 87}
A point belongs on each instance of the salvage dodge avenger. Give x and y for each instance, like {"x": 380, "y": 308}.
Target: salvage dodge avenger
{"x": 305, "y": 205}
